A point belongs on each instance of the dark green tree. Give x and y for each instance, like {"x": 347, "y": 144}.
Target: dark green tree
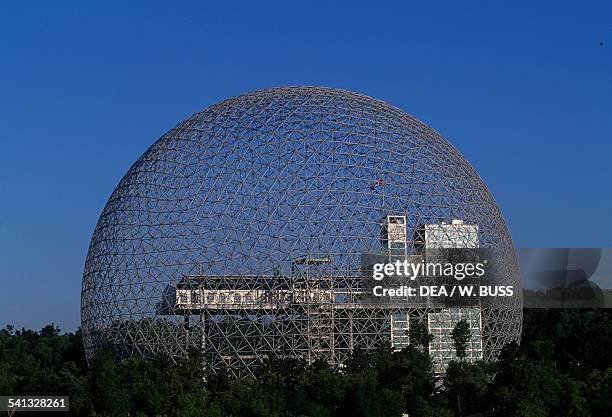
{"x": 533, "y": 388}
{"x": 419, "y": 336}
{"x": 466, "y": 386}
{"x": 598, "y": 389}
{"x": 461, "y": 337}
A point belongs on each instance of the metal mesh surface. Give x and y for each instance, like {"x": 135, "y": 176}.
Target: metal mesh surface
{"x": 240, "y": 231}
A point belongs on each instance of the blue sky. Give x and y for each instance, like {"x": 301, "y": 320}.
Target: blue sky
{"x": 523, "y": 90}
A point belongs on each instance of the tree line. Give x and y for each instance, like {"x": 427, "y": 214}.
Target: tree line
{"x": 563, "y": 367}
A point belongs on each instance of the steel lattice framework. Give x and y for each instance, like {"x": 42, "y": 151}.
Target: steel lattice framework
{"x": 241, "y": 231}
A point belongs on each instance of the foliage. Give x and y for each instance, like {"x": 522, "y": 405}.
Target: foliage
{"x": 419, "y": 336}
{"x": 461, "y": 337}
{"x": 563, "y": 368}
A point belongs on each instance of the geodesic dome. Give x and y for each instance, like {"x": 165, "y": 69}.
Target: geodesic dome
{"x": 236, "y": 232}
